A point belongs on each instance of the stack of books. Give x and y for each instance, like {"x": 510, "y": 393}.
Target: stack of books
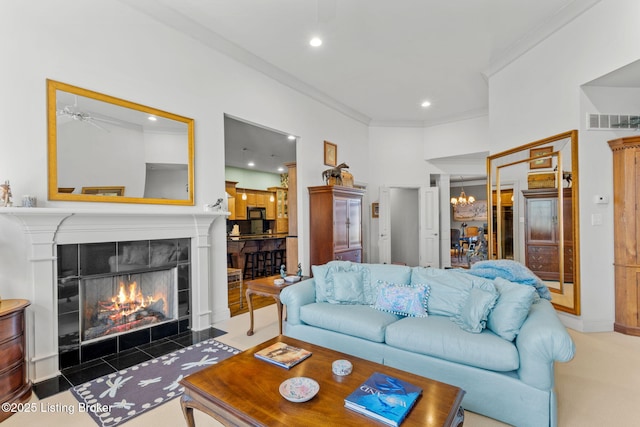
{"x": 283, "y": 354}
{"x": 384, "y": 398}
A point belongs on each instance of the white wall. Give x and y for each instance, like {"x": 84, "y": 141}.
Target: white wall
{"x": 539, "y": 95}
{"x": 457, "y": 139}
{"x": 111, "y": 48}
{"x": 166, "y": 147}
{"x": 394, "y": 161}
{"x": 254, "y": 180}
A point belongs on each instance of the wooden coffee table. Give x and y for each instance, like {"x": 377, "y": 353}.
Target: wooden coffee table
{"x": 243, "y": 391}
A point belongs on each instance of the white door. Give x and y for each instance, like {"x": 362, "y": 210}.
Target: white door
{"x": 384, "y": 226}
{"x": 429, "y": 246}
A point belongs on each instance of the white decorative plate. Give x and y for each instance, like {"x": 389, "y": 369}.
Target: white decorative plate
{"x": 299, "y": 389}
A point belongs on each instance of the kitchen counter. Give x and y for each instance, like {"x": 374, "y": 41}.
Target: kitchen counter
{"x": 249, "y": 243}
{"x": 245, "y": 237}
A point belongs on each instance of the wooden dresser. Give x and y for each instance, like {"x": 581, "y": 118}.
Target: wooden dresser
{"x": 542, "y": 233}
{"x": 335, "y": 224}
{"x": 14, "y": 386}
{"x": 626, "y": 226}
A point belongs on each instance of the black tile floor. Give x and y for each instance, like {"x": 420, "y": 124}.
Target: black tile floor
{"x": 93, "y": 369}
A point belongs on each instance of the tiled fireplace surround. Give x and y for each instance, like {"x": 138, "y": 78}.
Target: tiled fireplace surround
{"x": 47, "y": 228}
{"x": 97, "y": 309}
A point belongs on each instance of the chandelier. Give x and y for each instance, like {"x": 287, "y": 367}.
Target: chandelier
{"x": 462, "y": 200}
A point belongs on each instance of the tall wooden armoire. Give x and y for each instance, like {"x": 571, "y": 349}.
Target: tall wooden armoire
{"x": 542, "y": 233}
{"x": 626, "y": 229}
{"x": 335, "y": 224}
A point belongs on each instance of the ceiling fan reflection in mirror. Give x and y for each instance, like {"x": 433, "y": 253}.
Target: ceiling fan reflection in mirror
{"x": 72, "y": 112}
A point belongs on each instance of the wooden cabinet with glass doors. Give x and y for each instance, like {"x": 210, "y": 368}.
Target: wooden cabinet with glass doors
{"x": 281, "y": 208}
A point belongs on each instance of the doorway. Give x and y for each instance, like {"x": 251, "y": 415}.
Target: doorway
{"x": 409, "y": 224}
{"x": 404, "y": 226}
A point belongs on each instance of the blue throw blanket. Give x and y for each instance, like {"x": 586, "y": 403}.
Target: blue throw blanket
{"x": 512, "y": 271}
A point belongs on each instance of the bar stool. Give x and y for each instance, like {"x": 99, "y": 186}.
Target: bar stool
{"x": 278, "y": 258}
{"x": 265, "y": 263}
{"x": 250, "y": 264}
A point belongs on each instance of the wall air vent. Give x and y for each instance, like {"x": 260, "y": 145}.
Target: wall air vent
{"x": 613, "y": 121}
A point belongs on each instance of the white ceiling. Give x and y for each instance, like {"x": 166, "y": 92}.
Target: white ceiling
{"x": 380, "y": 59}
{"x": 267, "y": 148}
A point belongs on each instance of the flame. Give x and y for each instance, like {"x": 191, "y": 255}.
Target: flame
{"x": 130, "y": 302}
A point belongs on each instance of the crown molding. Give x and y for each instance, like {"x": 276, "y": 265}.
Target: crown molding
{"x": 161, "y": 11}
{"x": 536, "y": 36}
{"x": 465, "y": 115}
{"x": 165, "y": 14}
{"x": 397, "y": 123}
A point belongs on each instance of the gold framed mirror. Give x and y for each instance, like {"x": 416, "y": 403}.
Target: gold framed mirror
{"x": 533, "y": 216}
{"x": 121, "y": 151}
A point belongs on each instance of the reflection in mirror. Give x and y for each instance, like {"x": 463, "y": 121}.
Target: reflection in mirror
{"x": 534, "y": 213}
{"x": 105, "y": 149}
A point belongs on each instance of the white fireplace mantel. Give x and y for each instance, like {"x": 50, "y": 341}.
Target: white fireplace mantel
{"x": 45, "y": 228}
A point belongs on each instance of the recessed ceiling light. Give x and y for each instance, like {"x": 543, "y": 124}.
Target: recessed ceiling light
{"x": 280, "y": 169}
{"x": 425, "y": 104}
{"x": 291, "y": 137}
{"x": 315, "y": 42}
{"x": 153, "y": 119}
{"x": 251, "y": 164}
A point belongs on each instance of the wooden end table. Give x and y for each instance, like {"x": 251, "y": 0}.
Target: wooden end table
{"x": 264, "y": 287}
{"x": 243, "y": 391}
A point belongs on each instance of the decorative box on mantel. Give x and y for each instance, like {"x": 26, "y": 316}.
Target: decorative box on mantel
{"x": 44, "y": 229}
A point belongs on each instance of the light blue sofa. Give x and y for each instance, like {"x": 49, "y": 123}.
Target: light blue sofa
{"x": 511, "y": 381}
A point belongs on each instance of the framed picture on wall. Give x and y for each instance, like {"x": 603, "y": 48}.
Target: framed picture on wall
{"x": 375, "y": 210}
{"x": 474, "y": 212}
{"x": 540, "y": 152}
{"x": 330, "y": 154}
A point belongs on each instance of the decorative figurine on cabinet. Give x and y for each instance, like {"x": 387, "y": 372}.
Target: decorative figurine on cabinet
{"x": 299, "y": 270}
{"x": 283, "y": 274}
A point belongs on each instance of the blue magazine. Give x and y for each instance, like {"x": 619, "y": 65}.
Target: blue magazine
{"x": 384, "y": 398}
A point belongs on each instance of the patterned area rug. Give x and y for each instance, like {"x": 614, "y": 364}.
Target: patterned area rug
{"x": 120, "y": 396}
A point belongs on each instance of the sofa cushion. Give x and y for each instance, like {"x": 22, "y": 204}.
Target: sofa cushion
{"x": 404, "y": 300}
{"x": 449, "y": 289}
{"x": 325, "y": 284}
{"x": 438, "y": 336}
{"x": 348, "y": 288}
{"x": 511, "y": 309}
{"x": 387, "y": 273}
{"x": 357, "y": 320}
{"x": 474, "y": 312}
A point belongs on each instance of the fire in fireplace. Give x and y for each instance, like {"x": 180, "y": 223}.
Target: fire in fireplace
{"x": 119, "y": 303}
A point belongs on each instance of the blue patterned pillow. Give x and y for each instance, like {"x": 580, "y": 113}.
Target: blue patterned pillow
{"x": 404, "y": 300}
